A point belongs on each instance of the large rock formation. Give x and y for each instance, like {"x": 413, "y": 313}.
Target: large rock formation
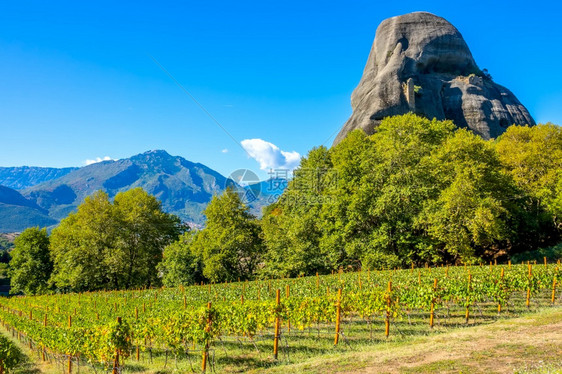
{"x": 420, "y": 63}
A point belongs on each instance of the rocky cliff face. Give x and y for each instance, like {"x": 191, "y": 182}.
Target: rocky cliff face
{"x": 420, "y": 63}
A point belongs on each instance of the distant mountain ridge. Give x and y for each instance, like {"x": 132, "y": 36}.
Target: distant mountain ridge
{"x": 21, "y": 177}
{"x": 184, "y": 188}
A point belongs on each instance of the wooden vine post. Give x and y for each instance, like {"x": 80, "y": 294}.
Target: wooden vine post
{"x": 277, "y": 323}
{"x": 116, "y": 360}
{"x": 69, "y": 365}
{"x": 387, "y": 319}
{"x": 499, "y": 302}
{"x": 553, "y": 290}
{"x": 206, "y": 350}
{"x": 43, "y": 347}
{"x": 528, "y": 301}
{"x": 287, "y": 294}
{"x": 338, "y": 318}
{"x": 138, "y": 347}
{"x": 467, "y": 312}
{"x": 432, "y": 312}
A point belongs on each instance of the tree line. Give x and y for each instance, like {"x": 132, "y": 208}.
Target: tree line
{"x": 417, "y": 191}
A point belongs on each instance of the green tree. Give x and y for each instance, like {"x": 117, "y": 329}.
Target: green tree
{"x": 145, "y": 230}
{"x": 112, "y": 246}
{"x": 380, "y": 199}
{"x": 417, "y": 190}
{"x": 474, "y": 210}
{"x": 533, "y": 157}
{"x": 230, "y": 244}
{"x": 180, "y": 266}
{"x": 31, "y": 264}
{"x": 82, "y": 243}
{"x": 292, "y": 227}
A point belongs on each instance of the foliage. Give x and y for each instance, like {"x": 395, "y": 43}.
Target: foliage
{"x": 120, "y": 338}
{"x": 4, "y": 272}
{"x": 82, "y": 242}
{"x": 416, "y": 191}
{"x": 10, "y": 355}
{"x": 112, "y": 246}
{"x": 5, "y": 256}
{"x": 144, "y": 231}
{"x": 230, "y": 245}
{"x": 551, "y": 253}
{"x": 292, "y": 226}
{"x": 31, "y": 265}
{"x": 532, "y": 156}
{"x": 472, "y": 210}
{"x": 5, "y": 244}
{"x": 180, "y": 266}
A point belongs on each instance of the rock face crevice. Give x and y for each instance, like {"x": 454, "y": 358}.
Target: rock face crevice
{"x": 420, "y": 63}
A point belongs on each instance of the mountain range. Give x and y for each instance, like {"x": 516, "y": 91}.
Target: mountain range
{"x": 34, "y": 196}
{"x": 26, "y": 176}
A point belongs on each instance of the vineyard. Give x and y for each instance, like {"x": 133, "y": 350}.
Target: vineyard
{"x": 256, "y": 324}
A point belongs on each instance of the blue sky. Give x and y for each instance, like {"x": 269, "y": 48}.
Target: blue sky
{"x": 78, "y": 82}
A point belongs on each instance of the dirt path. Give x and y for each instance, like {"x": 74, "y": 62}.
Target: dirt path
{"x": 531, "y": 343}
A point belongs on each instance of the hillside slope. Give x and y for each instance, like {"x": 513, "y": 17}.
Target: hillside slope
{"x": 18, "y": 213}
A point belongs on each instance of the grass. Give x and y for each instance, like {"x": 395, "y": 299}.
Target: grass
{"x": 528, "y": 344}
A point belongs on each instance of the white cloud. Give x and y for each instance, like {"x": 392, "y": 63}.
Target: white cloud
{"x": 225, "y": 150}
{"x": 98, "y": 159}
{"x": 269, "y": 156}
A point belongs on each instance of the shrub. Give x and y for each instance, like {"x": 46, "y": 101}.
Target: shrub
{"x": 551, "y": 253}
{"x": 10, "y": 355}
